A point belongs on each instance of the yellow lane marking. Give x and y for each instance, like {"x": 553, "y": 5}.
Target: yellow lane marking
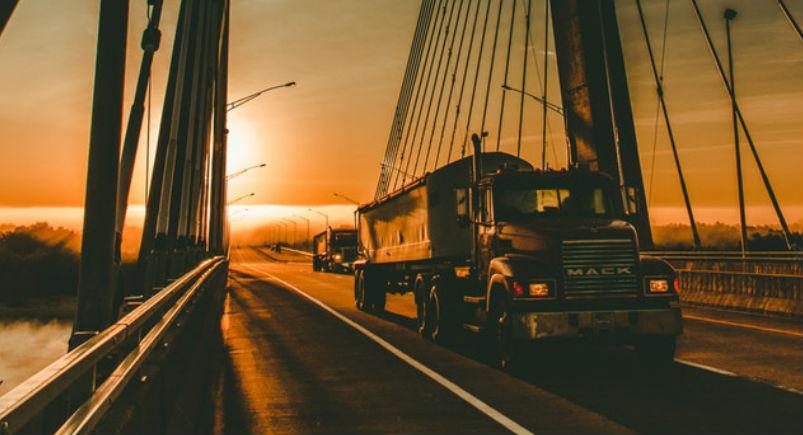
{"x": 744, "y": 325}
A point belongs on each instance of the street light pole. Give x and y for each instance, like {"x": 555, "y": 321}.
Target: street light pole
{"x": 307, "y": 240}
{"x": 243, "y": 171}
{"x": 356, "y": 203}
{"x": 729, "y": 16}
{"x": 295, "y": 229}
{"x": 326, "y": 216}
{"x": 237, "y": 103}
{"x": 239, "y": 198}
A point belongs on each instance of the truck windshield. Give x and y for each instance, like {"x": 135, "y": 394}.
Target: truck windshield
{"x": 514, "y": 204}
{"x": 344, "y": 239}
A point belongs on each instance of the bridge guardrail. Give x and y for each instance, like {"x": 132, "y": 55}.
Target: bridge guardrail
{"x": 296, "y": 251}
{"x": 130, "y": 341}
{"x": 767, "y": 282}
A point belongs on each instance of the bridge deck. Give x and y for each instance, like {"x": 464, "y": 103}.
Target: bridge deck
{"x": 292, "y": 366}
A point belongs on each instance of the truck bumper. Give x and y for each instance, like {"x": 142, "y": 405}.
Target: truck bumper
{"x": 616, "y": 324}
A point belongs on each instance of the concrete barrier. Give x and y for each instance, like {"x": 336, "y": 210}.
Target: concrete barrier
{"x": 756, "y": 288}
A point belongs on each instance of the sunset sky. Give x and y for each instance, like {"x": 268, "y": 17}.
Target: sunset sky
{"x": 328, "y": 134}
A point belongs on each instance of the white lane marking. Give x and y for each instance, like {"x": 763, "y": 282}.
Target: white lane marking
{"x": 734, "y": 375}
{"x": 705, "y": 367}
{"x": 744, "y": 325}
{"x": 472, "y": 400}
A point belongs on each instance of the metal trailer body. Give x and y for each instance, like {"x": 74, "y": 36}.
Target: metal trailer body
{"x": 420, "y": 222}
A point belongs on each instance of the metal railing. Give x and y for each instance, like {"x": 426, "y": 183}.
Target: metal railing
{"x": 80, "y": 387}
{"x": 754, "y": 256}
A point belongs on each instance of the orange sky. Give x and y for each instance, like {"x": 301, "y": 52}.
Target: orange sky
{"x": 329, "y": 133}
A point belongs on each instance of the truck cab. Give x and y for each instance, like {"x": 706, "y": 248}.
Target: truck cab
{"x": 557, "y": 259}
{"x": 335, "y": 250}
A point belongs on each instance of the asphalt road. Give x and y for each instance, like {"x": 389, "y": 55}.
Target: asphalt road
{"x": 300, "y": 358}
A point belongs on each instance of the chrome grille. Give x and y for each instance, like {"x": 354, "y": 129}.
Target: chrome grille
{"x": 599, "y": 268}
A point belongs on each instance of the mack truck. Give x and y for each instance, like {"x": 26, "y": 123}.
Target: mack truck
{"x": 489, "y": 245}
{"x": 334, "y": 250}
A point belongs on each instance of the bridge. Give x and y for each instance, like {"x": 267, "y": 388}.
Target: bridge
{"x": 226, "y": 339}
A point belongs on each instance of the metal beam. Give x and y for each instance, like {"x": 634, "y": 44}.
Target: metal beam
{"x": 596, "y": 101}
{"x": 96, "y": 301}
{"x": 6, "y": 9}
{"x": 217, "y": 218}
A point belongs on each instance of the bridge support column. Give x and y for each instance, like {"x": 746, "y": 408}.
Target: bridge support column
{"x": 596, "y": 100}
{"x": 96, "y": 299}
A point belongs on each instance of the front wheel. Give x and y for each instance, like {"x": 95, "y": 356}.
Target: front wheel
{"x": 501, "y": 348}
{"x": 656, "y": 350}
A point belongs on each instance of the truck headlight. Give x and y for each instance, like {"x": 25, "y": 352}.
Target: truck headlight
{"x": 539, "y": 289}
{"x": 338, "y": 257}
{"x": 659, "y": 286}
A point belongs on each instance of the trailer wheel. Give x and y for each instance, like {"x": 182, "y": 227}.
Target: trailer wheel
{"x": 359, "y": 290}
{"x": 656, "y": 351}
{"x": 419, "y": 290}
{"x": 440, "y": 314}
{"x": 369, "y": 290}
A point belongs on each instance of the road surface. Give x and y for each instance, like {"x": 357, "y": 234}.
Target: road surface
{"x": 301, "y": 358}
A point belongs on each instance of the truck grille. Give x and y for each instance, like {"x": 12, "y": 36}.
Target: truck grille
{"x": 599, "y": 268}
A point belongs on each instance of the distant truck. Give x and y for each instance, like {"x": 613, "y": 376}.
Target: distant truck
{"x": 517, "y": 255}
{"x": 334, "y": 250}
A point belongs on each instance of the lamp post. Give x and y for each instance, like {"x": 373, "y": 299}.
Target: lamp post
{"x": 238, "y": 199}
{"x": 356, "y": 203}
{"x": 295, "y": 229}
{"x": 325, "y": 216}
{"x": 237, "y": 103}
{"x": 243, "y": 171}
{"x": 307, "y": 240}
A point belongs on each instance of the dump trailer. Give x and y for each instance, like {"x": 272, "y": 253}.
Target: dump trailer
{"x": 517, "y": 256}
{"x": 334, "y": 250}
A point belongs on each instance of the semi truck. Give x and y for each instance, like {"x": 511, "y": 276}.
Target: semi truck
{"x": 334, "y": 250}
{"x": 489, "y": 245}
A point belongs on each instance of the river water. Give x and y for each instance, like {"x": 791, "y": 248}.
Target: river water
{"x": 27, "y": 346}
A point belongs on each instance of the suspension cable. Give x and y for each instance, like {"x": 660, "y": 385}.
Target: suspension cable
{"x": 476, "y": 80}
{"x": 436, "y": 39}
{"x": 400, "y": 117}
{"x": 432, "y": 20}
{"x": 659, "y": 86}
{"x": 765, "y": 179}
{"x": 443, "y": 87}
{"x": 463, "y": 84}
{"x": 545, "y": 94}
{"x": 507, "y": 70}
{"x": 491, "y": 73}
{"x": 657, "y": 102}
{"x": 432, "y": 95}
{"x": 453, "y": 82}
{"x": 524, "y": 75}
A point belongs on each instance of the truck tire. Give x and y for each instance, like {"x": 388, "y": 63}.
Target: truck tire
{"x": 315, "y": 265}
{"x": 359, "y": 290}
{"x": 439, "y": 315}
{"x": 501, "y": 349}
{"x": 369, "y": 290}
{"x": 657, "y": 350}
{"x": 420, "y": 292}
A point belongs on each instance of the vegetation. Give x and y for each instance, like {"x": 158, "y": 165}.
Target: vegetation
{"x": 37, "y": 260}
{"x": 721, "y": 236}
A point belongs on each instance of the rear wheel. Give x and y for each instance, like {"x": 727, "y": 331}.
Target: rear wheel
{"x": 359, "y": 290}
{"x": 656, "y": 350}
{"x": 369, "y": 290}
{"x": 420, "y": 292}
